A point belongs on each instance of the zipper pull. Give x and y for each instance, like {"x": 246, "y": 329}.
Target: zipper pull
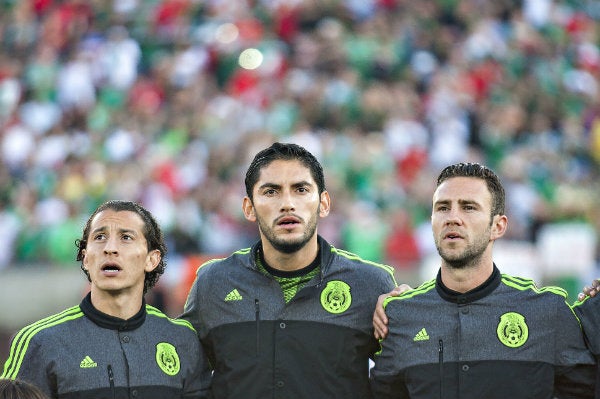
{"x": 111, "y": 380}
{"x": 441, "y": 361}
{"x": 257, "y": 315}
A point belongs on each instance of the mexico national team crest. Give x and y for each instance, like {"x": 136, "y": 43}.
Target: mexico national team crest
{"x": 335, "y": 297}
{"x": 167, "y": 358}
{"x": 512, "y": 330}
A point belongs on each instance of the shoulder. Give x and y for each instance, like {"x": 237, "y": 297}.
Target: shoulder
{"x": 167, "y": 322}
{"x": 588, "y": 307}
{"x": 529, "y": 287}
{"x": 53, "y": 321}
{"x": 411, "y": 295}
{"x": 225, "y": 264}
{"x": 46, "y": 331}
{"x": 348, "y": 259}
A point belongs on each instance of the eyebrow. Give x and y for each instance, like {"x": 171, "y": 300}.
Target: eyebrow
{"x": 460, "y": 202}
{"x": 295, "y": 185}
{"x": 104, "y": 228}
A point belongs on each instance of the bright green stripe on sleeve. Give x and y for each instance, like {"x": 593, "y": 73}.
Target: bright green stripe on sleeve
{"x": 353, "y": 256}
{"x": 156, "y": 312}
{"x": 523, "y": 284}
{"x": 422, "y": 289}
{"x": 22, "y": 339}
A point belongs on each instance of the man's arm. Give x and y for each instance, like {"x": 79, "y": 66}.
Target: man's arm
{"x": 387, "y": 382}
{"x": 575, "y": 369}
{"x": 199, "y": 381}
{"x": 26, "y": 361}
{"x": 380, "y": 319}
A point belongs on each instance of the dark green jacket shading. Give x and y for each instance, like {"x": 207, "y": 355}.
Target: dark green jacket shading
{"x": 317, "y": 346}
{"x": 504, "y": 339}
{"x": 83, "y": 353}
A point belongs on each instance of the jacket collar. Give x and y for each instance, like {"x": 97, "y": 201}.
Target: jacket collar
{"x": 325, "y": 251}
{"x": 110, "y": 322}
{"x": 470, "y": 296}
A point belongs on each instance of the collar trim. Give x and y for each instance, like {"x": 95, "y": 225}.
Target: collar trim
{"x": 110, "y": 322}
{"x": 470, "y": 296}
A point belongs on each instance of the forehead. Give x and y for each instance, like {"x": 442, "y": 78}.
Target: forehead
{"x": 283, "y": 172}
{"x": 122, "y": 219}
{"x": 463, "y": 189}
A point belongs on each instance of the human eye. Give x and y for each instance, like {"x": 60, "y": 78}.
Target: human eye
{"x": 99, "y": 237}
{"x": 269, "y": 192}
{"x": 127, "y": 237}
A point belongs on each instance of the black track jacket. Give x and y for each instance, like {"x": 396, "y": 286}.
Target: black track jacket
{"x": 82, "y": 353}
{"x": 317, "y": 346}
{"x": 588, "y": 311}
{"x": 504, "y": 339}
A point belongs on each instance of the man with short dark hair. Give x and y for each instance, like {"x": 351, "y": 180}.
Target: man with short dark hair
{"x": 290, "y": 317}
{"x": 473, "y": 332}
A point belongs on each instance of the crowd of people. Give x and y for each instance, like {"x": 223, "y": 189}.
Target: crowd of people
{"x": 157, "y": 102}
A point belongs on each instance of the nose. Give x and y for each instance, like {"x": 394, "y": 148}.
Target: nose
{"x": 453, "y": 217}
{"x": 287, "y": 202}
{"x": 111, "y": 246}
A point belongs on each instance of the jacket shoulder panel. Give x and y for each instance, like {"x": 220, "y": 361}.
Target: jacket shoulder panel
{"x": 23, "y": 339}
{"x": 526, "y": 284}
{"x": 360, "y": 261}
{"x": 220, "y": 265}
{"x": 155, "y": 312}
{"x": 412, "y": 293}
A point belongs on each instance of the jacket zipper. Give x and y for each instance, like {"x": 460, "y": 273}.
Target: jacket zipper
{"x": 111, "y": 380}
{"x": 441, "y": 363}
{"x": 257, "y": 315}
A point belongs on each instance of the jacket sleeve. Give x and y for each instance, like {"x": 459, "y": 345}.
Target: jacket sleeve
{"x": 191, "y": 310}
{"x": 575, "y": 370}
{"x": 26, "y": 361}
{"x": 588, "y": 312}
{"x": 197, "y": 384}
{"x": 387, "y": 381}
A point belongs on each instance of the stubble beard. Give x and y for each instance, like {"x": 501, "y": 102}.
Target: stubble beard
{"x": 468, "y": 257}
{"x": 285, "y": 245}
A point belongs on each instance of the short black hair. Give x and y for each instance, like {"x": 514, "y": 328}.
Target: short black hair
{"x": 152, "y": 233}
{"x": 479, "y": 171}
{"x": 283, "y": 151}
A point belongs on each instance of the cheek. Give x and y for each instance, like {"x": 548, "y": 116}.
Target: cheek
{"x": 87, "y": 259}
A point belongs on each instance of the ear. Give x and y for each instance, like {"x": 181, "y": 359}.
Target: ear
{"x": 248, "y": 209}
{"x": 499, "y": 226}
{"x": 324, "y": 204}
{"x": 152, "y": 260}
{"x": 84, "y": 261}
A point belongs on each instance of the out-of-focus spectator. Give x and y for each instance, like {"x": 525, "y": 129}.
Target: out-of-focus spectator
{"x": 162, "y": 102}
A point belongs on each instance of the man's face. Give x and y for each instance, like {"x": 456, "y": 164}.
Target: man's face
{"x": 116, "y": 255}
{"x": 286, "y": 204}
{"x": 461, "y": 221}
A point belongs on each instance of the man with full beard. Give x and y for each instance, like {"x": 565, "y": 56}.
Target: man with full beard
{"x": 290, "y": 317}
{"x": 473, "y": 332}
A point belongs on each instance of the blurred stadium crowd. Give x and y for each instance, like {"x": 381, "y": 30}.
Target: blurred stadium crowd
{"x": 165, "y": 102}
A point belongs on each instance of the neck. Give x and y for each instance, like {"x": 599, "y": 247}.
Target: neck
{"x": 123, "y": 306}
{"x": 467, "y": 278}
{"x": 290, "y": 262}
